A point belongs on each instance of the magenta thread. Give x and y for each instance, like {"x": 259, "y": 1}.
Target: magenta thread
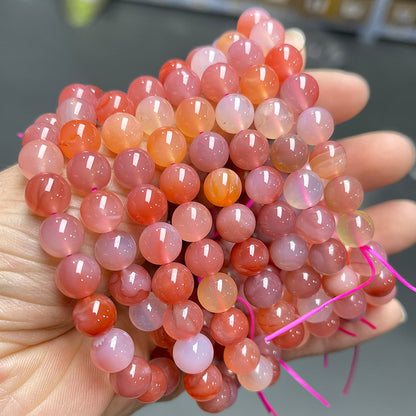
{"x": 252, "y": 317}
{"x": 19, "y": 135}
{"x": 364, "y": 321}
{"x": 352, "y": 334}
{"x": 326, "y": 360}
{"x": 266, "y": 403}
{"x": 353, "y": 368}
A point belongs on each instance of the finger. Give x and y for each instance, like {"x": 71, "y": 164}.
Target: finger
{"x": 343, "y": 94}
{"x": 378, "y": 159}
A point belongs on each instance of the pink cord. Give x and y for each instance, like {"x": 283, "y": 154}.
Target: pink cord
{"x": 249, "y": 203}
{"x": 326, "y": 360}
{"x": 352, "y": 334}
{"x": 252, "y": 317}
{"x": 353, "y": 367}
{"x": 19, "y": 135}
{"x": 266, "y": 403}
{"x": 364, "y": 321}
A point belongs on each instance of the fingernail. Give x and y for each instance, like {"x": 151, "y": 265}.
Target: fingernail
{"x": 404, "y": 313}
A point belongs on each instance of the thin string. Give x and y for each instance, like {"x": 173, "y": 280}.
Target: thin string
{"x": 352, "y": 334}
{"x": 266, "y": 403}
{"x": 326, "y": 360}
{"x": 19, "y": 135}
{"x": 364, "y": 321}
{"x": 353, "y": 368}
{"x": 252, "y": 317}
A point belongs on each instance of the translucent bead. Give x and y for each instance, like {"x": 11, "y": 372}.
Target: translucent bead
{"x": 234, "y": 113}
{"x": 160, "y": 243}
{"x": 101, "y": 211}
{"x": 113, "y": 102}
{"x": 289, "y": 252}
{"x": 315, "y": 125}
{"x": 344, "y": 194}
{"x": 273, "y": 118}
{"x": 115, "y": 250}
{"x": 303, "y": 282}
{"x": 264, "y": 185}
{"x": 130, "y": 285}
{"x": 235, "y": 223}
{"x": 360, "y": 264}
{"x": 133, "y": 167}
{"x": 276, "y": 219}
{"x": 343, "y": 281}
{"x": 250, "y": 256}
{"x": 259, "y": 378}
{"x": 264, "y": 289}
{"x": 352, "y": 306}
{"x": 300, "y": 91}
{"x": 285, "y": 59}
{"x": 328, "y": 257}
{"x": 94, "y": 315}
{"x": 382, "y": 284}
{"x": 249, "y": 149}
{"x": 172, "y": 373}
{"x": 205, "y": 57}
{"x": 148, "y": 314}
{"x": 158, "y": 386}
{"x": 61, "y": 234}
{"x": 244, "y": 53}
{"x": 289, "y": 153}
{"x": 146, "y": 204}
{"x": 259, "y": 82}
{"x": 205, "y": 385}
{"x": 303, "y": 189}
{"x": 267, "y": 349}
{"x": 251, "y": 17}
{"x": 277, "y": 316}
{"x": 183, "y": 320}
{"x": 88, "y": 170}
{"x": 222, "y": 187}
{"x": 326, "y": 328}
{"x": 180, "y": 183}
{"x": 47, "y": 193}
{"x": 381, "y": 300}
{"x": 134, "y": 380}
{"x": 268, "y": 34}
{"x": 161, "y": 338}
{"x": 328, "y": 159}
{"x": 167, "y": 145}
{"x": 98, "y": 92}
{"x": 208, "y": 151}
{"x": 306, "y": 305}
{"x": 219, "y": 80}
{"x": 220, "y": 402}
{"x": 49, "y": 118}
{"x": 355, "y": 229}
{"x": 121, "y": 131}
{"x": 295, "y": 37}
{"x": 113, "y": 351}
{"x": 40, "y": 156}
{"x": 193, "y": 355}
{"x": 41, "y": 131}
{"x": 154, "y": 112}
{"x": 229, "y": 327}
{"x": 204, "y": 258}
{"x": 243, "y": 357}
{"x": 77, "y": 276}
{"x": 75, "y": 109}
{"x": 193, "y": 221}
{"x": 77, "y": 91}
{"x": 180, "y": 84}
{"x": 227, "y": 39}
{"x": 217, "y": 293}
{"x": 143, "y": 87}
{"x": 170, "y": 66}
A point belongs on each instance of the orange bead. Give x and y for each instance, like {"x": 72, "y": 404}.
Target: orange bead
{"x": 121, "y": 131}
{"x": 167, "y": 145}
{"x": 222, "y": 187}
{"x": 243, "y": 357}
{"x": 77, "y": 136}
{"x": 227, "y": 39}
{"x": 195, "y": 115}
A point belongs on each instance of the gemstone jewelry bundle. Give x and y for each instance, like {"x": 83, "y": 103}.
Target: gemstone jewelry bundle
{"x": 240, "y": 235}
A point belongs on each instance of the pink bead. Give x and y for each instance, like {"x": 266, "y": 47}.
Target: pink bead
{"x": 315, "y": 125}
{"x": 204, "y": 258}
{"x": 264, "y": 185}
{"x": 98, "y": 92}
{"x": 88, "y": 170}
{"x": 259, "y": 378}
{"x": 268, "y": 34}
{"x": 144, "y": 86}
{"x": 172, "y": 373}
{"x": 276, "y": 219}
{"x": 180, "y": 84}
{"x": 40, "y": 156}
{"x": 130, "y": 285}
{"x": 193, "y": 355}
{"x": 47, "y": 193}
{"x": 306, "y": 305}
{"x": 343, "y": 281}
{"x": 61, "y": 234}
{"x": 273, "y": 118}
{"x": 234, "y": 113}
{"x": 205, "y": 57}
{"x": 148, "y": 314}
{"x": 303, "y": 282}
{"x": 209, "y": 151}
{"x": 160, "y": 243}
{"x": 113, "y": 351}
{"x": 41, "y": 131}
{"x": 328, "y": 257}
{"x": 133, "y": 167}
{"x": 78, "y": 91}
{"x": 244, "y": 53}
{"x": 101, "y": 211}
{"x": 300, "y": 91}
{"x": 360, "y": 264}
{"x": 289, "y": 252}
{"x": 77, "y": 276}
{"x": 75, "y": 109}
{"x": 352, "y": 306}
{"x": 49, "y": 118}
{"x": 115, "y": 250}
{"x": 113, "y": 102}
{"x": 249, "y": 18}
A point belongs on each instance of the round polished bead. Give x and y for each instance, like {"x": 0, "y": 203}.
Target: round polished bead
{"x": 115, "y": 250}
{"x": 268, "y": 34}
{"x": 222, "y": 187}
{"x": 221, "y": 401}
{"x": 146, "y": 204}
{"x": 49, "y": 118}
{"x": 75, "y": 109}
{"x": 229, "y": 327}
{"x": 273, "y": 118}
{"x": 143, "y": 87}
{"x": 148, "y": 314}
{"x": 94, "y": 315}
{"x": 234, "y": 113}
{"x": 160, "y": 243}
{"x": 98, "y": 92}
{"x": 227, "y": 39}
{"x": 260, "y": 378}
{"x": 326, "y": 328}
{"x": 235, "y": 223}
{"x": 355, "y": 229}
{"x": 121, "y": 131}
{"x": 264, "y": 185}
{"x": 61, "y": 234}
{"x": 77, "y": 91}
{"x": 352, "y": 306}
{"x": 276, "y": 316}
{"x": 250, "y": 256}
{"x": 242, "y": 357}
{"x": 244, "y": 53}
{"x": 158, "y": 386}
{"x": 172, "y": 373}
{"x": 381, "y": 300}
{"x": 205, "y": 385}
{"x": 276, "y": 219}
{"x": 328, "y": 159}
{"x": 268, "y": 349}
{"x": 47, "y": 193}
{"x": 300, "y": 91}
{"x": 170, "y": 66}
{"x": 219, "y": 80}
{"x": 319, "y": 298}
{"x": 360, "y": 264}
{"x": 204, "y": 258}
{"x": 113, "y": 351}
{"x": 205, "y": 57}
{"x": 113, "y": 102}
{"x": 382, "y": 284}
{"x": 154, "y": 112}
{"x": 289, "y": 252}
{"x": 328, "y": 257}
{"x": 303, "y": 282}
{"x": 285, "y": 59}
{"x": 291, "y": 338}
{"x": 41, "y": 131}
{"x": 133, "y": 167}
{"x": 315, "y": 125}
{"x": 344, "y": 194}
{"x": 130, "y": 285}
{"x": 180, "y": 84}
{"x": 251, "y": 17}
{"x": 295, "y": 37}
{"x": 77, "y": 276}
{"x": 289, "y": 153}
{"x": 88, "y": 170}
{"x": 340, "y": 282}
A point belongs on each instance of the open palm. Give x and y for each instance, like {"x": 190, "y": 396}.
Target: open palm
{"x": 45, "y": 368}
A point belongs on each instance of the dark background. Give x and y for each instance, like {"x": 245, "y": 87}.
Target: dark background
{"x": 40, "y": 54}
